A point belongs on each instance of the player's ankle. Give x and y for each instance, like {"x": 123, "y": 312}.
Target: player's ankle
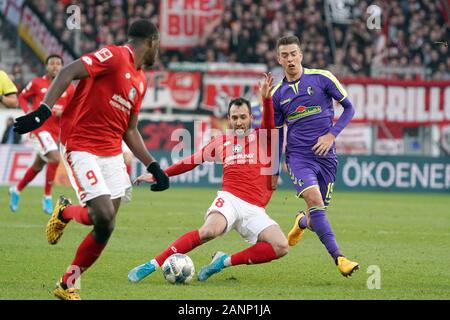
{"x": 61, "y": 217}
{"x": 154, "y": 263}
{"x": 227, "y": 262}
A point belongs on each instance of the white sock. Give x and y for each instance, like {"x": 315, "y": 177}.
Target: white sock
{"x": 155, "y": 263}
{"x": 227, "y": 262}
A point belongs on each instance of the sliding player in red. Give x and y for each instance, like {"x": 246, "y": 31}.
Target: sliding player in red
{"x": 246, "y": 190}
{"x": 46, "y": 137}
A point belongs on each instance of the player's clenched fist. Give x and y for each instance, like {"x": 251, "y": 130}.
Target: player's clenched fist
{"x": 32, "y": 120}
{"x": 161, "y": 178}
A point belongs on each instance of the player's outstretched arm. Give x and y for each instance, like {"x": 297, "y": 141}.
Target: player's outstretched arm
{"x": 134, "y": 141}
{"x": 207, "y": 153}
{"x": 265, "y": 89}
{"x": 73, "y": 71}
{"x": 180, "y": 167}
{"x": 33, "y": 120}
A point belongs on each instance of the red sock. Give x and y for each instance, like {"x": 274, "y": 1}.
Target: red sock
{"x": 77, "y": 212}
{"x": 88, "y": 251}
{"x": 27, "y": 178}
{"x": 50, "y": 177}
{"x": 258, "y": 253}
{"x": 183, "y": 244}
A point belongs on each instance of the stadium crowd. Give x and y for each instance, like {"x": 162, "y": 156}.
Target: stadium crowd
{"x": 408, "y": 37}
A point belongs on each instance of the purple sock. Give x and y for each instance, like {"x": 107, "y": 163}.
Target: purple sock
{"x": 322, "y": 228}
{"x": 303, "y": 223}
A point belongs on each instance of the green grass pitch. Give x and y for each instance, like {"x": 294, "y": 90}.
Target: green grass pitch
{"x": 405, "y": 235}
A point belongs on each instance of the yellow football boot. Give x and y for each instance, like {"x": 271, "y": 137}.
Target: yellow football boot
{"x": 64, "y": 293}
{"x": 346, "y": 267}
{"x": 55, "y": 227}
{"x": 296, "y": 232}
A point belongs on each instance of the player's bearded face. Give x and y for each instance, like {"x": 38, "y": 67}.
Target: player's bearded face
{"x": 54, "y": 65}
{"x": 290, "y": 58}
{"x": 240, "y": 119}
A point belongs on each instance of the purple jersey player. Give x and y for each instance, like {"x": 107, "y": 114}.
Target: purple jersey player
{"x": 303, "y": 101}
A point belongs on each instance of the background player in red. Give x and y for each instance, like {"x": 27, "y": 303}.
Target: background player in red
{"x": 45, "y": 138}
{"x": 246, "y": 190}
{"x": 103, "y": 112}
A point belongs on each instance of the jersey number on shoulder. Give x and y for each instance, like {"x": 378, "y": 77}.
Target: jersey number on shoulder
{"x": 219, "y": 203}
{"x": 103, "y": 54}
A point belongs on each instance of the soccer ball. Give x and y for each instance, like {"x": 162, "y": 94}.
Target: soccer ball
{"x": 178, "y": 268}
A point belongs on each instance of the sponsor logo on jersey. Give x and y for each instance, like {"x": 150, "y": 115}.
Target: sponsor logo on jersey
{"x": 44, "y": 90}
{"x": 227, "y": 143}
{"x": 120, "y": 103}
{"x": 303, "y": 111}
{"x": 103, "y": 54}
{"x": 241, "y": 158}
{"x": 87, "y": 60}
{"x": 237, "y": 148}
{"x": 132, "y": 94}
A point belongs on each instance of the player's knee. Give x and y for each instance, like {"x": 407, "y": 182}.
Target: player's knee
{"x": 103, "y": 232}
{"x": 54, "y": 158}
{"x": 104, "y": 218}
{"x": 207, "y": 233}
{"x": 37, "y": 167}
{"x": 281, "y": 248}
{"x": 313, "y": 199}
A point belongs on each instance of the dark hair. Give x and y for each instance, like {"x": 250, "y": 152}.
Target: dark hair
{"x": 288, "y": 40}
{"x": 54, "y": 55}
{"x": 239, "y": 102}
{"x": 143, "y": 29}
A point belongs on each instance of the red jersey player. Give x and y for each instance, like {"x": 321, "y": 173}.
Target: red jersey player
{"x": 238, "y": 205}
{"x": 46, "y": 138}
{"x": 104, "y": 111}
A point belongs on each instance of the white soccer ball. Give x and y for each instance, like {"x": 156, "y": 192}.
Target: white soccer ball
{"x": 178, "y": 268}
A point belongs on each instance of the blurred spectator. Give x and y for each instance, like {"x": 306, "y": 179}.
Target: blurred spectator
{"x": 248, "y": 30}
{"x": 17, "y": 76}
{"x": 9, "y": 136}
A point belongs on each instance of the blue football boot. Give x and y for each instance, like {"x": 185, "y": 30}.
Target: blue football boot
{"x": 216, "y": 265}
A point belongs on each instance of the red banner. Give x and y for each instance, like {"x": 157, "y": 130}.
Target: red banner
{"x": 219, "y": 90}
{"x": 183, "y": 22}
{"x": 179, "y": 90}
{"x": 399, "y": 101}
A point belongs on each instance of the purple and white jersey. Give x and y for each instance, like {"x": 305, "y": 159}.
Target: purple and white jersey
{"x": 306, "y": 106}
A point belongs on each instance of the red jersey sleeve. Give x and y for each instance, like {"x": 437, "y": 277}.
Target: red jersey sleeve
{"x": 208, "y": 153}
{"x": 268, "y": 120}
{"x": 24, "y": 97}
{"x": 101, "y": 61}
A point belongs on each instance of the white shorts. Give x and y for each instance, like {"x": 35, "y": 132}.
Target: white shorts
{"x": 43, "y": 143}
{"x": 249, "y": 220}
{"x": 92, "y": 176}
{"x": 125, "y": 148}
